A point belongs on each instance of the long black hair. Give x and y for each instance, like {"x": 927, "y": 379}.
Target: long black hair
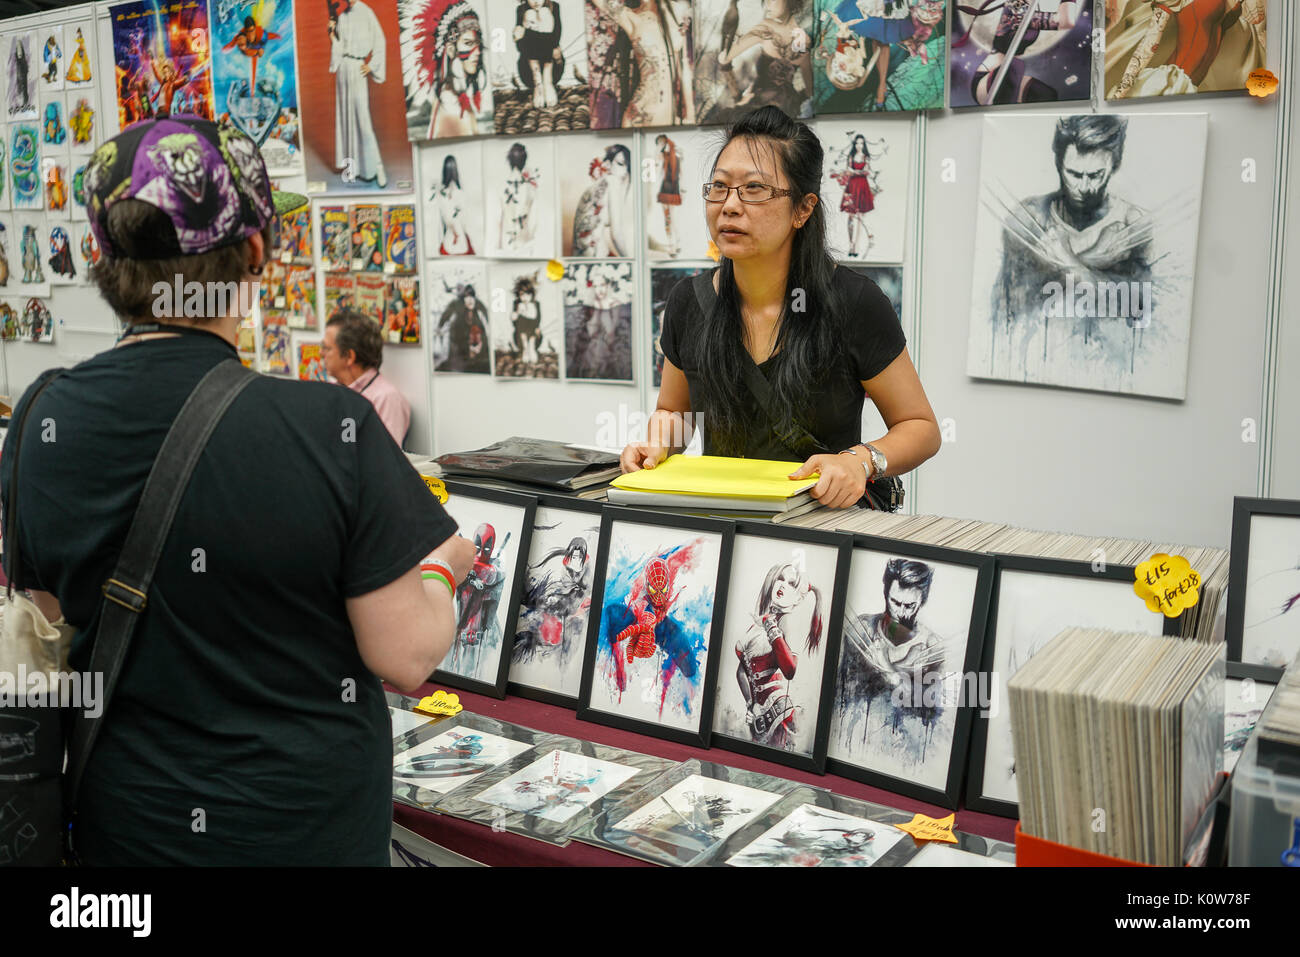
{"x": 808, "y": 340}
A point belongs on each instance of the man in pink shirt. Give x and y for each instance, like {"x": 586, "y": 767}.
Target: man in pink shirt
{"x": 352, "y": 351}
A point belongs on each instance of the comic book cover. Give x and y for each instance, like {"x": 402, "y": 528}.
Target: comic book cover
{"x": 335, "y": 238}
{"x": 369, "y": 296}
{"x": 402, "y": 310}
{"x": 275, "y": 349}
{"x": 300, "y": 297}
{"x": 271, "y": 294}
{"x": 400, "y": 250}
{"x": 367, "y": 249}
{"x": 255, "y": 84}
{"x": 311, "y": 367}
{"x": 162, "y": 52}
{"x": 294, "y": 237}
{"x": 340, "y": 293}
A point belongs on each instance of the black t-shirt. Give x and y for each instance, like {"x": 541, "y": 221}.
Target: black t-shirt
{"x": 873, "y": 339}
{"x": 245, "y": 727}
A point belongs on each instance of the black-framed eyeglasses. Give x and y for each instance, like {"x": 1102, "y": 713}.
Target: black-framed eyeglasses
{"x": 748, "y": 192}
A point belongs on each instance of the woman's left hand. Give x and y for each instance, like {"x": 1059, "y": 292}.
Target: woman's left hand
{"x": 843, "y": 479}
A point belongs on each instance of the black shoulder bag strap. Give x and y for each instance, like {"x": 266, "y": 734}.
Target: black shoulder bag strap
{"x": 126, "y": 593}
{"x": 883, "y": 493}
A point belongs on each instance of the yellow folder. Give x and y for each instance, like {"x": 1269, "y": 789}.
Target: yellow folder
{"x": 718, "y": 476}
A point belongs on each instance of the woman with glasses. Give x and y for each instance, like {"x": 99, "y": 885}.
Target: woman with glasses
{"x": 773, "y": 353}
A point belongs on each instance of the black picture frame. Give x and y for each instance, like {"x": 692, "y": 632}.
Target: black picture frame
{"x": 843, "y": 544}
{"x": 1244, "y": 511}
{"x": 975, "y": 799}
{"x": 496, "y": 688}
{"x": 545, "y": 695}
{"x": 983, "y": 564}
{"x": 682, "y": 523}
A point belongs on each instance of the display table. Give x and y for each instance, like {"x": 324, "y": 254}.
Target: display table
{"x": 501, "y": 849}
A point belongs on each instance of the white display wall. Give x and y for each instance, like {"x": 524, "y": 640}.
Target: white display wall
{"x": 1035, "y": 456}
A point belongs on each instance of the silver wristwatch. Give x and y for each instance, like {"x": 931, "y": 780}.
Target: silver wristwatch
{"x": 876, "y": 467}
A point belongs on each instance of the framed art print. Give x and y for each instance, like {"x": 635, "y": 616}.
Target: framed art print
{"x": 653, "y": 644}
{"x": 914, "y": 620}
{"x": 499, "y": 523}
{"x": 1034, "y": 599}
{"x": 1246, "y": 690}
{"x": 555, "y": 789}
{"x": 551, "y": 632}
{"x": 1263, "y": 626}
{"x": 780, "y": 644}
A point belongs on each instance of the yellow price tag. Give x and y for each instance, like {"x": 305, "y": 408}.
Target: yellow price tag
{"x": 440, "y": 702}
{"x": 555, "y": 270}
{"x": 714, "y": 253}
{"x": 436, "y": 487}
{"x": 925, "y": 828}
{"x": 1261, "y": 82}
{"x": 1167, "y": 583}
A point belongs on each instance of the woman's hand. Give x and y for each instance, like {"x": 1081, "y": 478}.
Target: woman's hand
{"x": 843, "y": 479}
{"x": 641, "y": 455}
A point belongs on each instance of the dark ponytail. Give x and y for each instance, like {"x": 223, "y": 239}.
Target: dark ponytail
{"x": 809, "y": 340}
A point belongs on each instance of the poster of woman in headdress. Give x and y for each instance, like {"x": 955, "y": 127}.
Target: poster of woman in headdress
{"x": 445, "y": 69}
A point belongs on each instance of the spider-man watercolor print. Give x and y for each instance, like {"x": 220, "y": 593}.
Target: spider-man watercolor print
{"x": 655, "y": 621}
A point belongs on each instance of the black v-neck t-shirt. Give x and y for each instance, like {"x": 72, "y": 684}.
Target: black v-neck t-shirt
{"x": 873, "y": 339}
{"x": 245, "y": 728}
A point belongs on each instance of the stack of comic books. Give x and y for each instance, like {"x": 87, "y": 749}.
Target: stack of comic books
{"x": 1118, "y": 742}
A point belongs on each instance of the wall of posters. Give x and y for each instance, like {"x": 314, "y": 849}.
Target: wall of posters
{"x": 1085, "y": 245}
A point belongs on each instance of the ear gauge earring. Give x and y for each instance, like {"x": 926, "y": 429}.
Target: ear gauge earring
{"x": 255, "y": 270}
